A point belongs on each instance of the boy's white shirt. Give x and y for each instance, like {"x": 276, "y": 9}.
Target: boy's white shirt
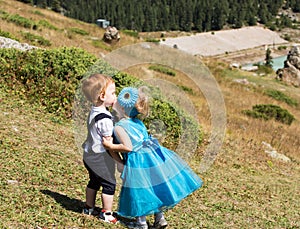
{"x": 102, "y": 128}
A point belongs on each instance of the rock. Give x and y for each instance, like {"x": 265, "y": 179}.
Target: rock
{"x": 10, "y": 43}
{"x": 290, "y": 73}
{"x": 111, "y": 34}
{"x": 235, "y": 65}
{"x": 250, "y": 68}
{"x": 241, "y": 81}
{"x": 12, "y": 182}
{"x": 274, "y": 154}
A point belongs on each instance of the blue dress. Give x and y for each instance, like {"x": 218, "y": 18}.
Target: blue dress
{"x": 154, "y": 177}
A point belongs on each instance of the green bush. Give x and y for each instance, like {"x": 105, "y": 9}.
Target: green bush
{"x": 46, "y": 24}
{"x": 50, "y": 79}
{"x": 101, "y": 44}
{"x": 45, "y": 77}
{"x": 282, "y": 47}
{"x": 263, "y": 69}
{"x": 131, "y": 33}
{"x": 280, "y": 96}
{"x": 187, "y": 89}
{"x": 36, "y": 39}
{"x": 269, "y": 111}
{"x": 152, "y": 40}
{"x": 79, "y": 31}
{"x": 162, "y": 69}
{"x": 21, "y": 21}
{"x": 8, "y": 35}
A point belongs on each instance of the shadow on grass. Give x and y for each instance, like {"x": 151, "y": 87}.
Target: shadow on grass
{"x": 66, "y": 202}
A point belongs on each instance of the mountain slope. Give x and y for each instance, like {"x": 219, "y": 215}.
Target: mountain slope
{"x": 43, "y": 179}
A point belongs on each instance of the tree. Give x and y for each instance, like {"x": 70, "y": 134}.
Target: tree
{"x": 268, "y": 59}
{"x": 56, "y": 6}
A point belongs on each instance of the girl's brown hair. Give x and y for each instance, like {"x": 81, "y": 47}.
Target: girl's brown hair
{"x": 94, "y": 85}
{"x": 142, "y": 104}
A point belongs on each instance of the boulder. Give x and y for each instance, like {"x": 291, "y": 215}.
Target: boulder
{"x": 290, "y": 73}
{"x": 111, "y": 34}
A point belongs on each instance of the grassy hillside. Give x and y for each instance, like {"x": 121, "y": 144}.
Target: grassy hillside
{"x": 59, "y": 30}
{"x": 43, "y": 179}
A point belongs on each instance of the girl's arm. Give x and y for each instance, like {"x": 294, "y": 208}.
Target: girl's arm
{"x": 125, "y": 145}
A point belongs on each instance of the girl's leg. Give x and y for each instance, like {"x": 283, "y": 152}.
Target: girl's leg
{"x": 160, "y": 221}
{"x": 141, "y": 220}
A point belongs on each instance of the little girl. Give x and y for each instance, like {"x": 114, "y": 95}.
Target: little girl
{"x": 154, "y": 177}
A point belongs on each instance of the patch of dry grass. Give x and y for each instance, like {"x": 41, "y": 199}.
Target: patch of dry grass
{"x": 63, "y": 36}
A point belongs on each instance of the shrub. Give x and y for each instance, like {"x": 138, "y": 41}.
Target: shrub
{"x": 282, "y": 47}
{"x": 131, "y": 33}
{"x": 36, "y": 39}
{"x": 45, "y": 77}
{"x": 21, "y": 21}
{"x": 50, "y": 79}
{"x": 152, "y": 40}
{"x": 101, "y": 44}
{"x": 162, "y": 69}
{"x": 187, "y": 89}
{"x": 263, "y": 69}
{"x": 269, "y": 111}
{"x": 47, "y": 25}
{"x": 79, "y": 31}
{"x": 8, "y": 35}
{"x": 280, "y": 96}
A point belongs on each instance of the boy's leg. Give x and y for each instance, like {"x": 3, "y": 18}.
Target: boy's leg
{"x": 90, "y": 197}
{"x": 107, "y": 197}
{"x": 107, "y": 201}
{"x": 106, "y": 213}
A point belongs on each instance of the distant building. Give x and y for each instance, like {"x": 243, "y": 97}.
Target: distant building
{"x": 102, "y": 23}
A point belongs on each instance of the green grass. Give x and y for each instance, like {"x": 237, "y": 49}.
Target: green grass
{"x": 40, "y": 155}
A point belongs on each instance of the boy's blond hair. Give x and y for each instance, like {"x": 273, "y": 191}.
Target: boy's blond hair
{"x": 94, "y": 85}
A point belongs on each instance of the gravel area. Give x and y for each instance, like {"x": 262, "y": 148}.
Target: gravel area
{"x": 10, "y": 43}
{"x": 225, "y": 41}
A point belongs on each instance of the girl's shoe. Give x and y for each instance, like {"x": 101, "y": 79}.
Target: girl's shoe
{"x": 162, "y": 223}
{"x": 135, "y": 225}
{"x": 107, "y": 217}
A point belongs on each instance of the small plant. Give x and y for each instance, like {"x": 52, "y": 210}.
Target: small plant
{"x": 282, "y": 47}
{"x": 47, "y": 25}
{"x": 101, "y": 44}
{"x": 36, "y": 39}
{"x": 280, "y": 96}
{"x": 21, "y": 21}
{"x": 287, "y": 37}
{"x": 131, "y": 33}
{"x": 152, "y": 40}
{"x": 8, "y": 35}
{"x": 79, "y": 31}
{"x": 37, "y": 12}
{"x": 269, "y": 111}
{"x": 162, "y": 69}
{"x": 187, "y": 89}
{"x": 263, "y": 69}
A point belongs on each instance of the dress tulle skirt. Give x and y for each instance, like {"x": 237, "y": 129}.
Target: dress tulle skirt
{"x": 154, "y": 179}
